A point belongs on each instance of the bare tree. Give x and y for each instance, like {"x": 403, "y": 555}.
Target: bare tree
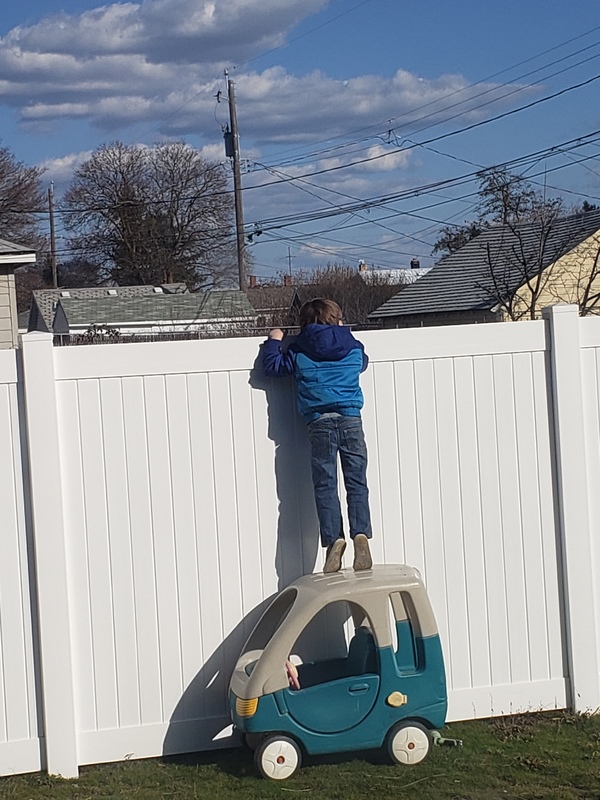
{"x": 356, "y": 297}
{"x": 21, "y": 201}
{"x": 452, "y": 238}
{"x": 504, "y": 199}
{"x": 153, "y": 215}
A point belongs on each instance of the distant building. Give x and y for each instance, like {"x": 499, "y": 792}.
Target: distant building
{"x": 274, "y": 305}
{"x": 491, "y": 273}
{"x": 45, "y": 301}
{"x": 145, "y": 311}
{"x": 401, "y": 276}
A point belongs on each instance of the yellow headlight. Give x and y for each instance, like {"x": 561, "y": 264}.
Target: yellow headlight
{"x": 246, "y": 708}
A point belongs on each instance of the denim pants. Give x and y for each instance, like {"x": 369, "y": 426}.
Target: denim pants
{"x": 329, "y": 435}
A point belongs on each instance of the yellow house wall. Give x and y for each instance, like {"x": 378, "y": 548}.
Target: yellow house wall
{"x": 566, "y": 280}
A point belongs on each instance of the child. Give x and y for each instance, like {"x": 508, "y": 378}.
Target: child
{"x": 326, "y": 361}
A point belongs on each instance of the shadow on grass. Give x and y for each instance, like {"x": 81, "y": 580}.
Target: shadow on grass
{"x": 239, "y": 762}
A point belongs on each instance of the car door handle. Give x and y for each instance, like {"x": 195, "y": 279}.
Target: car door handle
{"x": 357, "y": 688}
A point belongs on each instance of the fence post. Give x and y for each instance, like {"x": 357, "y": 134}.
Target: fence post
{"x": 573, "y": 506}
{"x": 50, "y": 555}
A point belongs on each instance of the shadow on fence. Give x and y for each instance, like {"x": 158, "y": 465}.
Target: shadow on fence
{"x": 208, "y": 692}
{"x": 297, "y": 525}
{"x": 295, "y": 555}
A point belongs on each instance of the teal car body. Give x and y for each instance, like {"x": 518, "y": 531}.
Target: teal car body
{"x": 392, "y": 668}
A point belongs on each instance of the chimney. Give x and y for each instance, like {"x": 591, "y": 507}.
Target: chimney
{"x": 362, "y": 267}
{"x": 415, "y": 263}
{"x": 251, "y": 281}
{"x": 287, "y": 280}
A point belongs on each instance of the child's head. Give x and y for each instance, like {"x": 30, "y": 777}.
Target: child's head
{"x": 321, "y": 311}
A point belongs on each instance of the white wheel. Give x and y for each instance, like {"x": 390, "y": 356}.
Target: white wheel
{"x": 409, "y": 743}
{"x": 278, "y": 758}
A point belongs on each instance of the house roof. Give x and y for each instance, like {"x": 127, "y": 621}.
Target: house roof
{"x": 463, "y": 281}
{"x": 17, "y": 254}
{"x": 218, "y": 304}
{"x": 44, "y": 300}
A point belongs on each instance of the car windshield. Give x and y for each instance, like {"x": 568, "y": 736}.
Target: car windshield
{"x": 271, "y": 620}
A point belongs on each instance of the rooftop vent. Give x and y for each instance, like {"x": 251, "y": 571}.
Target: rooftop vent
{"x": 157, "y": 289}
{"x": 111, "y": 291}
{"x": 65, "y": 294}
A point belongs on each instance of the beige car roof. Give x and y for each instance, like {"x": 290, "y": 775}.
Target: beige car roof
{"x": 370, "y": 589}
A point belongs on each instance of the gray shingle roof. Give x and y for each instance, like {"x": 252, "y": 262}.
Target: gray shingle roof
{"x": 462, "y": 281}
{"x": 11, "y": 248}
{"x": 44, "y": 300}
{"x": 219, "y": 304}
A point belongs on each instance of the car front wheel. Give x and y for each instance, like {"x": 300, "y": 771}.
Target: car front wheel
{"x": 278, "y": 758}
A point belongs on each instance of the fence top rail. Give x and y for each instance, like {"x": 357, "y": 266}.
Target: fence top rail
{"x": 230, "y": 355}
{"x": 453, "y": 341}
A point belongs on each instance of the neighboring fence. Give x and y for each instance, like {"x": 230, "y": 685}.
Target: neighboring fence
{"x": 171, "y": 496}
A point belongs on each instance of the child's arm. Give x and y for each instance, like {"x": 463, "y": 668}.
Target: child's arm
{"x": 365, "y": 358}
{"x": 275, "y": 362}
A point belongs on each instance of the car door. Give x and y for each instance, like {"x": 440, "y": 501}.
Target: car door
{"x": 334, "y": 706}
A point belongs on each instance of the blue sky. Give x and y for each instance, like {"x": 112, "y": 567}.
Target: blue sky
{"x": 351, "y": 112}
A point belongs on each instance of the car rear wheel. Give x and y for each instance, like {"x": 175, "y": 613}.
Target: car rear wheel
{"x": 409, "y": 742}
{"x": 278, "y": 758}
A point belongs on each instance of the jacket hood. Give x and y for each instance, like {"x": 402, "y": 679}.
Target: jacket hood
{"x": 325, "y": 342}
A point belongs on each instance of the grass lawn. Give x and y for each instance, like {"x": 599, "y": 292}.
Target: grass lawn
{"x": 554, "y": 756}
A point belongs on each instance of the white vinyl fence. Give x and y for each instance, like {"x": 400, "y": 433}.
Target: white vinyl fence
{"x": 170, "y": 496}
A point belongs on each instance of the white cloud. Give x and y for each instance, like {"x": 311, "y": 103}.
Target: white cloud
{"x": 187, "y": 31}
{"x": 60, "y": 170}
{"x": 158, "y": 62}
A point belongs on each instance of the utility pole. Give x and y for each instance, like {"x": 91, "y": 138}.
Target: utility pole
{"x": 52, "y": 237}
{"x": 234, "y": 152}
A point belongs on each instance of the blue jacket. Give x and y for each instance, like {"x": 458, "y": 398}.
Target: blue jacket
{"x": 326, "y": 361}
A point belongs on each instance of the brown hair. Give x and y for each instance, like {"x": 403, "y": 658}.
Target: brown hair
{"x": 321, "y": 311}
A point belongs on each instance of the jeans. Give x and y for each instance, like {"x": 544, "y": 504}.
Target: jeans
{"x": 329, "y": 435}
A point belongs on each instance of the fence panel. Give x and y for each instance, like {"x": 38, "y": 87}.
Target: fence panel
{"x": 590, "y": 362}
{"x": 462, "y": 484}
{"x": 20, "y": 725}
{"x": 188, "y": 503}
{"x": 181, "y": 518}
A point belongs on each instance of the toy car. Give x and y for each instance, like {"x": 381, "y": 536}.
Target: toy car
{"x": 386, "y": 686}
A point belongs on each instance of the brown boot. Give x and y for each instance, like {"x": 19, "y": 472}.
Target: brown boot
{"x": 362, "y": 553}
{"x": 333, "y": 559}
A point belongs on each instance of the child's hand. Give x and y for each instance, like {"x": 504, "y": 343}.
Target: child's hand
{"x": 276, "y": 333}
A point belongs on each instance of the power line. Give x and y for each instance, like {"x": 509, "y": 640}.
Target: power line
{"x": 463, "y": 89}
{"x": 418, "y": 191}
{"x": 286, "y": 222}
{"x": 439, "y": 138}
